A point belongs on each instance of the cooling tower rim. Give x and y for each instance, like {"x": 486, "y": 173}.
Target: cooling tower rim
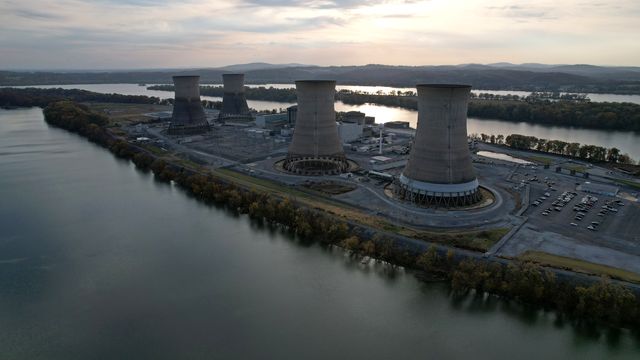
{"x": 315, "y": 81}
{"x": 444, "y": 86}
{"x": 438, "y": 187}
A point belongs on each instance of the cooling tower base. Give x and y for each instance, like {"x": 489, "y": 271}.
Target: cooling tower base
{"x": 190, "y": 129}
{"x": 233, "y": 119}
{"x": 437, "y": 195}
{"x": 316, "y": 165}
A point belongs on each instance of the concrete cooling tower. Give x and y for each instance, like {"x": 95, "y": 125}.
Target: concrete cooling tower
{"x": 439, "y": 171}
{"x": 234, "y": 102}
{"x": 316, "y": 148}
{"x": 188, "y": 115}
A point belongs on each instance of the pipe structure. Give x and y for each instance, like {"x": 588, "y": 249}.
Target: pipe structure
{"x": 234, "y": 101}
{"x": 316, "y": 148}
{"x": 188, "y": 115}
{"x": 440, "y": 171}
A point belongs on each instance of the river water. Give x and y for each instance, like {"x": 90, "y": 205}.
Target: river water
{"x": 99, "y": 261}
{"x": 628, "y": 142}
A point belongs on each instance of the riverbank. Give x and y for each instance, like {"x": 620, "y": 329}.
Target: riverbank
{"x": 575, "y": 295}
{"x": 583, "y": 114}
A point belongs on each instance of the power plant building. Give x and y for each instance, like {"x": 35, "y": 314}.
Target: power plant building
{"x": 440, "y": 171}
{"x": 234, "y": 101}
{"x": 316, "y": 148}
{"x": 188, "y": 115}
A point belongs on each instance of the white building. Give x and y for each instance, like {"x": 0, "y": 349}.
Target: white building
{"x": 350, "y": 131}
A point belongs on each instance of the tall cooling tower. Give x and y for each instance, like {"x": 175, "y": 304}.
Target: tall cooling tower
{"x": 234, "y": 101}
{"x": 188, "y": 115}
{"x": 439, "y": 171}
{"x": 316, "y": 148}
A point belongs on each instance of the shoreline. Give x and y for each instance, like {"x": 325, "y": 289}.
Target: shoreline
{"x": 318, "y": 225}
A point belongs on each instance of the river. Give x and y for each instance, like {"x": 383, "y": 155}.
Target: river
{"x": 98, "y": 260}
{"x": 628, "y": 142}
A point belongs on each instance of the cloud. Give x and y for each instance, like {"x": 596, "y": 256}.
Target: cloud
{"x": 208, "y": 33}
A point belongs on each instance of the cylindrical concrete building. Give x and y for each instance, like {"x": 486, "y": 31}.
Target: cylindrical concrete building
{"x": 439, "y": 171}
{"x": 188, "y": 115}
{"x": 234, "y": 101}
{"x": 316, "y": 148}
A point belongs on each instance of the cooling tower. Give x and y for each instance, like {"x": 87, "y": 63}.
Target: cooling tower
{"x": 234, "y": 102}
{"x": 439, "y": 171}
{"x": 316, "y": 148}
{"x": 188, "y": 115}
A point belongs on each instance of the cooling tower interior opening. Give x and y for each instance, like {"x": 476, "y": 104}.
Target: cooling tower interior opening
{"x": 188, "y": 115}
{"x": 316, "y": 148}
{"x": 440, "y": 170}
{"x": 234, "y": 101}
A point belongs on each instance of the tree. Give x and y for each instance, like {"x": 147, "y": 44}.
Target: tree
{"x": 613, "y": 155}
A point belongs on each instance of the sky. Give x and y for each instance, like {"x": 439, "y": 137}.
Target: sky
{"x": 121, "y": 34}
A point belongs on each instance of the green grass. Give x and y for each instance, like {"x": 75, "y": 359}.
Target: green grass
{"x": 475, "y": 240}
{"x": 541, "y": 159}
{"x": 581, "y": 266}
{"x": 472, "y": 240}
{"x": 576, "y": 168}
{"x": 630, "y": 183}
{"x": 154, "y": 149}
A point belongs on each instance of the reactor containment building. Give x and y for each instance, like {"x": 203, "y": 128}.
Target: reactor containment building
{"x": 234, "y": 101}
{"x": 316, "y": 148}
{"x": 188, "y": 117}
{"x": 440, "y": 171}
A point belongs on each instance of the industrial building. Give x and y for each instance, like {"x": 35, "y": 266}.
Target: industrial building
{"x": 234, "y": 101}
{"x": 440, "y": 171}
{"x": 272, "y": 121}
{"x": 349, "y": 131}
{"x": 382, "y": 163}
{"x": 316, "y": 148}
{"x": 188, "y": 117}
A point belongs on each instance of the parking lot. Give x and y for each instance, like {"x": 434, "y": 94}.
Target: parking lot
{"x": 567, "y": 222}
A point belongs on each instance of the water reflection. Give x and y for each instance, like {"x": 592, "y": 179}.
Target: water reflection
{"x": 120, "y": 265}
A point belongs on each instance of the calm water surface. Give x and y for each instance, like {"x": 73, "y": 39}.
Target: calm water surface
{"x": 99, "y": 261}
{"x": 628, "y": 142}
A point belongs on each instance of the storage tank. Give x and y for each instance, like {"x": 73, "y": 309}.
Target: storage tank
{"x": 440, "y": 171}
{"x": 316, "y": 148}
{"x": 234, "y": 101}
{"x": 188, "y": 115}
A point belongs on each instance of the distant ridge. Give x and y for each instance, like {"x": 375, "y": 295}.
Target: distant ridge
{"x": 258, "y": 66}
{"x": 496, "y": 76}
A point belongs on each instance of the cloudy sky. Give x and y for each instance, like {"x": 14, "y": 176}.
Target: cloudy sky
{"x": 110, "y": 34}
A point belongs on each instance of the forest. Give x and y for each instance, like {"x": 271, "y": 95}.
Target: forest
{"x": 32, "y": 97}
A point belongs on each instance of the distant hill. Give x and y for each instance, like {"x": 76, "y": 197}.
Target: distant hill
{"x": 498, "y": 76}
{"x": 258, "y": 66}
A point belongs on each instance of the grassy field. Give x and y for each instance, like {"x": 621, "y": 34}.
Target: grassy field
{"x": 629, "y": 183}
{"x": 472, "y": 240}
{"x": 126, "y": 114}
{"x": 475, "y": 240}
{"x": 581, "y": 266}
{"x": 540, "y": 159}
{"x": 576, "y": 168}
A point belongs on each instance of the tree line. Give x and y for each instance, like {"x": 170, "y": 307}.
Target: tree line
{"x": 591, "y": 153}
{"x": 603, "y": 302}
{"x": 36, "y": 97}
{"x": 538, "y": 108}
{"x": 251, "y": 93}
